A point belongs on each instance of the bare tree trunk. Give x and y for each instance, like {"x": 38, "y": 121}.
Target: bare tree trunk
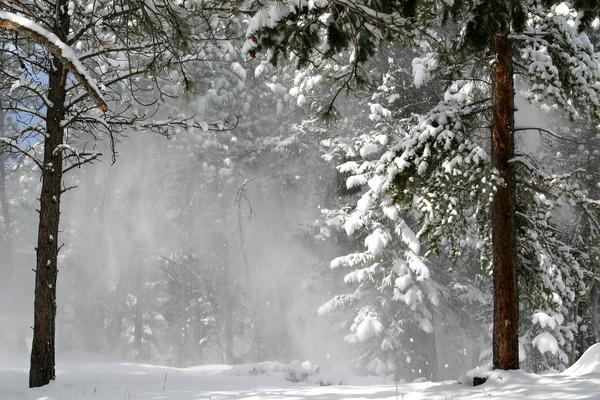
{"x": 229, "y": 356}
{"x": 41, "y": 370}
{"x": 506, "y": 295}
{"x": 115, "y": 325}
{"x": 230, "y": 285}
{"x": 432, "y": 369}
{"x": 138, "y": 321}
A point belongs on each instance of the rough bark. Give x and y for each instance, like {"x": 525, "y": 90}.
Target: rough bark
{"x": 595, "y": 312}
{"x": 41, "y": 370}
{"x": 506, "y": 298}
{"x": 594, "y": 190}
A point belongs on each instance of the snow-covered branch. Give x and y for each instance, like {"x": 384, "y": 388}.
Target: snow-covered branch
{"x": 55, "y": 46}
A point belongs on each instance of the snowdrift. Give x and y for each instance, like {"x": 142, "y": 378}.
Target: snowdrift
{"x": 588, "y": 363}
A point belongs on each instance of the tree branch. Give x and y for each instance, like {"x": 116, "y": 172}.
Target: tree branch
{"x": 56, "y": 47}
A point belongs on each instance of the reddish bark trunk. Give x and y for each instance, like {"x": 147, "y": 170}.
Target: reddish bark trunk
{"x": 504, "y": 245}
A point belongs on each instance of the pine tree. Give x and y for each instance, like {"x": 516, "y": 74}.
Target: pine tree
{"x": 124, "y": 48}
{"x": 434, "y": 158}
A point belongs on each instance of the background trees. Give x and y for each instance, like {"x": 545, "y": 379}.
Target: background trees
{"x": 436, "y": 161}
{"x": 211, "y": 243}
{"x": 126, "y": 47}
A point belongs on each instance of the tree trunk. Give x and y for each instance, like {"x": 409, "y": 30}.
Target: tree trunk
{"x": 506, "y": 296}
{"x": 595, "y": 313}
{"x": 594, "y": 191}
{"x": 229, "y": 334}
{"x": 115, "y": 324}
{"x": 138, "y": 321}
{"x": 432, "y": 370}
{"x": 229, "y": 301}
{"x": 41, "y": 370}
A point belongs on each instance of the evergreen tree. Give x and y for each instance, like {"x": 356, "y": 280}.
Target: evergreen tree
{"x": 435, "y": 162}
{"x": 125, "y": 49}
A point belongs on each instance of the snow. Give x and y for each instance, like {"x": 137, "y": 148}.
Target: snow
{"x": 425, "y": 325}
{"x": 479, "y": 372}
{"x": 349, "y": 166}
{"x": 293, "y": 372}
{"x": 352, "y": 224}
{"x": 544, "y": 320}
{"x": 420, "y": 69}
{"x": 588, "y": 363}
{"x": 361, "y": 275}
{"x": 237, "y": 68}
{"x": 277, "y": 88}
{"x": 546, "y": 343}
{"x": 417, "y": 266}
{"x": 403, "y": 281}
{"x": 377, "y": 241}
{"x": 368, "y": 149}
{"x": 562, "y": 9}
{"x": 408, "y": 236}
{"x": 379, "y": 113}
{"x": 110, "y": 381}
{"x": 355, "y": 181}
{"x": 269, "y": 16}
{"x": 370, "y": 327}
{"x": 66, "y": 51}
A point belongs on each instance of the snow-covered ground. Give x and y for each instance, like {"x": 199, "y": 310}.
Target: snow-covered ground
{"x": 124, "y": 381}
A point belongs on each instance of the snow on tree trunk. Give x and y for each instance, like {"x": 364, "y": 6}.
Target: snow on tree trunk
{"x": 41, "y": 370}
{"x": 506, "y": 299}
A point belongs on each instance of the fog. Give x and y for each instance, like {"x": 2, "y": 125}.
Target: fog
{"x": 163, "y": 239}
{"x": 180, "y": 254}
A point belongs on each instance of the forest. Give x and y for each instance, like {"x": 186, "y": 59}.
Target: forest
{"x": 299, "y": 199}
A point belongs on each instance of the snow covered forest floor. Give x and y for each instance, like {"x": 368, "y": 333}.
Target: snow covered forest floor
{"x": 271, "y": 380}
